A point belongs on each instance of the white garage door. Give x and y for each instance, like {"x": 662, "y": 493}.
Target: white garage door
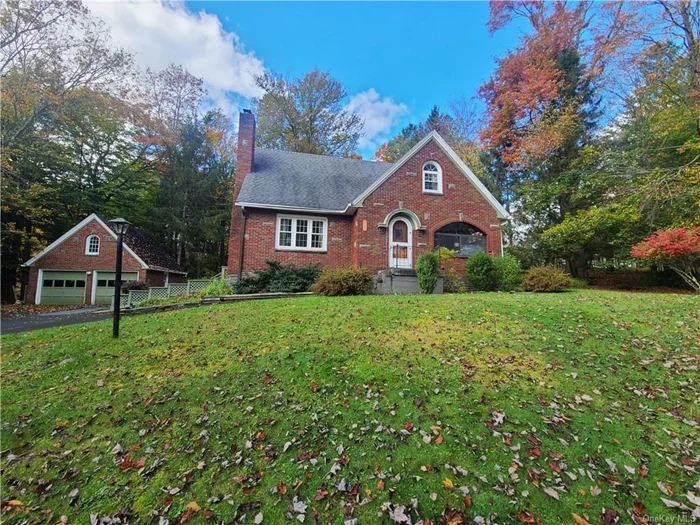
{"x": 62, "y": 287}
{"x": 104, "y": 288}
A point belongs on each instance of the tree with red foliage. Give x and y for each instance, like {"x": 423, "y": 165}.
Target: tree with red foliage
{"x": 678, "y": 249}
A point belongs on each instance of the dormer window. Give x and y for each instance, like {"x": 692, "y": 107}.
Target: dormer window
{"x": 92, "y": 245}
{"x": 432, "y": 178}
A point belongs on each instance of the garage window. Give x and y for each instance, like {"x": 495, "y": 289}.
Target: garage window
{"x": 48, "y": 283}
{"x": 92, "y": 245}
{"x": 102, "y": 282}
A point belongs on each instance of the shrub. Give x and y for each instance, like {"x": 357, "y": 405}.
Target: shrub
{"x": 576, "y": 283}
{"x": 428, "y": 270}
{"x": 344, "y": 281}
{"x": 453, "y": 282}
{"x": 217, "y": 287}
{"x": 279, "y": 277}
{"x": 133, "y": 285}
{"x": 507, "y": 273}
{"x": 446, "y": 254}
{"x": 678, "y": 249}
{"x": 481, "y": 272}
{"x": 545, "y": 279}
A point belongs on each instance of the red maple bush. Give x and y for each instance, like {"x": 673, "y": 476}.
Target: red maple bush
{"x": 678, "y": 249}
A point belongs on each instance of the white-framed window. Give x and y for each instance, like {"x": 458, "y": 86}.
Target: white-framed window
{"x": 432, "y": 177}
{"x": 301, "y": 233}
{"x": 92, "y": 245}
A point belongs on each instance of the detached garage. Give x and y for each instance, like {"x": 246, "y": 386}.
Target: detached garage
{"x": 78, "y": 267}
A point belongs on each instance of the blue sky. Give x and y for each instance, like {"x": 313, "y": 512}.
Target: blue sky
{"x": 419, "y": 54}
{"x": 395, "y": 59}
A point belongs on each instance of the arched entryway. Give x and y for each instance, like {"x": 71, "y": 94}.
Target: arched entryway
{"x": 461, "y": 237}
{"x": 400, "y": 242}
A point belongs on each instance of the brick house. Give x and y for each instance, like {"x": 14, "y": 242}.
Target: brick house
{"x": 78, "y": 267}
{"x": 312, "y": 209}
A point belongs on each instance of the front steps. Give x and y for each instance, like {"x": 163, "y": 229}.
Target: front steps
{"x": 402, "y": 281}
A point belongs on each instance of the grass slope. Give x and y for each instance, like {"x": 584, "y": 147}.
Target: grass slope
{"x": 534, "y": 407}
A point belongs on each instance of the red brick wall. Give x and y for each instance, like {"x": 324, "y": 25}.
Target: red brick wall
{"x": 460, "y": 202}
{"x": 261, "y": 226}
{"x": 70, "y": 255}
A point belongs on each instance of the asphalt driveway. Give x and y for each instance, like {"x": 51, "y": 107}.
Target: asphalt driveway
{"x": 27, "y": 322}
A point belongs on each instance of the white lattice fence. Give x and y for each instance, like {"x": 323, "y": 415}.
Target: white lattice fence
{"x": 137, "y": 296}
{"x": 197, "y": 286}
{"x": 158, "y": 293}
{"x": 124, "y": 300}
{"x": 177, "y": 289}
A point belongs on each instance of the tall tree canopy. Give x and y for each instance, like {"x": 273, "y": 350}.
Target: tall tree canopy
{"x": 306, "y": 114}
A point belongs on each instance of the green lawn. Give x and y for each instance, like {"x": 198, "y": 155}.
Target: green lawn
{"x": 486, "y": 405}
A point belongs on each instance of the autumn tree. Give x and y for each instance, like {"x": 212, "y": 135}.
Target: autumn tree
{"x": 678, "y": 248}
{"x": 306, "y": 114}
{"x": 543, "y": 103}
{"x": 171, "y": 98}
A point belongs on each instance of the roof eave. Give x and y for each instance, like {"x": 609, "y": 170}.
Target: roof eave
{"x": 348, "y": 210}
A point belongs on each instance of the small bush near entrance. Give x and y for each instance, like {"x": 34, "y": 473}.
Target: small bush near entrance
{"x": 545, "y": 279}
{"x": 428, "y": 270}
{"x": 217, "y": 287}
{"x": 481, "y": 272}
{"x": 344, "y": 281}
{"x": 507, "y": 273}
{"x": 279, "y": 277}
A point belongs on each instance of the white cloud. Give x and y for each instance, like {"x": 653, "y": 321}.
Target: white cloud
{"x": 161, "y": 33}
{"x": 379, "y": 114}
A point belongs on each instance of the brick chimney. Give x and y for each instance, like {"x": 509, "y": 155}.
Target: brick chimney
{"x": 244, "y": 165}
{"x": 246, "y": 146}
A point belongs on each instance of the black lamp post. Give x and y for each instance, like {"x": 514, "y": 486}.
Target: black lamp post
{"x": 119, "y": 226}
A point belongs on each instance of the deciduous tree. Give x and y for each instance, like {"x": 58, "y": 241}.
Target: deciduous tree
{"x": 306, "y": 114}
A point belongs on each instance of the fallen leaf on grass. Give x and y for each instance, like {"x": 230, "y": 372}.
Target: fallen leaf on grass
{"x": 664, "y": 488}
{"x": 610, "y": 516}
{"x": 551, "y": 492}
{"x": 526, "y": 517}
{"x": 578, "y": 519}
{"x": 447, "y": 483}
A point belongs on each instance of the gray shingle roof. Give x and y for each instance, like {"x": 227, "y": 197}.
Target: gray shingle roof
{"x": 303, "y": 180}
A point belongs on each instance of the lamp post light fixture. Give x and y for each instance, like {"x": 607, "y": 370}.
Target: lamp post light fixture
{"x": 119, "y": 226}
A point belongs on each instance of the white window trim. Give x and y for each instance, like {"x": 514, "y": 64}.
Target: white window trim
{"x": 87, "y": 245}
{"x": 439, "y": 178}
{"x": 294, "y": 219}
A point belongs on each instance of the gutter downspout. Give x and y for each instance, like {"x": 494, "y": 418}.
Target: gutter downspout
{"x": 241, "y": 244}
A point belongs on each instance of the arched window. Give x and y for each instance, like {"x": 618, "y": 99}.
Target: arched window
{"x": 92, "y": 245}
{"x": 432, "y": 177}
{"x": 464, "y": 238}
